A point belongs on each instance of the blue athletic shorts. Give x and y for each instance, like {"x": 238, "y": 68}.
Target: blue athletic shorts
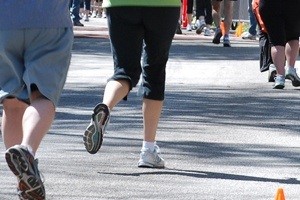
{"x": 34, "y": 58}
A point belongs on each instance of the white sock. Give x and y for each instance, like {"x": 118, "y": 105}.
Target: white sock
{"x": 30, "y": 150}
{"x": 148, "y": 145}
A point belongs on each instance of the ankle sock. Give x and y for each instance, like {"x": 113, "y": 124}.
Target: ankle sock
{"x": 148, "y": 145}
{"x": 30, "y": 150}
{"x": 280, "y": 76}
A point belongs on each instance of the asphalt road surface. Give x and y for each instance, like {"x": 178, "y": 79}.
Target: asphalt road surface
{"x": 224, "y": 132}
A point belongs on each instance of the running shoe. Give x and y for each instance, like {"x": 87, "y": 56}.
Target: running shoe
{"x": 86, "y": 19}
{"x": 217, "y": 36}
{"x": 226, "y": 42}
{"x": 272, "y": 73}
{"x": 93, "y": 135}
{"x": 94, "y": 14}
{"x": 200, "y": 28}
{"x": 248, "y": 36}
{"x": 150, "y": 159}
{"x": 279, "y": 82}
{"x": 22, "y": 163}
{"x": 207, "y": 31}
{"x": 292, "y": 75}
{"x": 189, "y": 27}
{"x": 178, "y": 29}
{"x": 77, "y": 23}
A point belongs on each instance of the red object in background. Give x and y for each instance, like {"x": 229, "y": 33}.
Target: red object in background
{"x": 255, "y": 8}
{"x": 184, "y": 14}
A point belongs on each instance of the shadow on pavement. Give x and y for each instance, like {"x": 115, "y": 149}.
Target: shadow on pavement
{"x": 184, "y": 50}
{"x": 207, "y": 175}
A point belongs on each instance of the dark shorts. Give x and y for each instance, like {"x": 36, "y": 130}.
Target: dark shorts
{"x": 282, "y": 20}
{"x": 142, "y": 30}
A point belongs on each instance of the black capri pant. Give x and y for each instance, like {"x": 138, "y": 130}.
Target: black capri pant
{"x": 131, "y": 29}
{"x": 282, "y": 20}
{"x": 203, "y": 8}
{"x": 86, "y": 4}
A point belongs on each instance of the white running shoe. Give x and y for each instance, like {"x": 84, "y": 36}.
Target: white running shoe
{"x": 151, "y": 159}
{"x": 248, "y": 36}
{"x": 292, "y": 75}
{"x": 189, "y": 27}
{"x": 207, "y": 31}
{"x": 279, "y": 82}
{"x": 272, "y": 73}
{"x": 200, "y": 27}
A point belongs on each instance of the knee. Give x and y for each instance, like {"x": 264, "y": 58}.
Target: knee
{"x": 13, "y": 105}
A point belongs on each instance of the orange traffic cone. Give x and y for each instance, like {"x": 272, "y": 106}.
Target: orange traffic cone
{"x": 280, "y": 194}
{"x": 239, "y": 29}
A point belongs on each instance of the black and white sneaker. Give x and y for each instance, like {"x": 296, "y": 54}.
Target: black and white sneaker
{"x": 217, "y": 36}
{"x": 93, "y": 135}
{"x": 292, "y": 75}
{"x": 272, "y": 73}
{"x": 25, "y": 167}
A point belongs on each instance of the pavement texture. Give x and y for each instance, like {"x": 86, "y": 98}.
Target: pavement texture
{"x": 224, "y": 132}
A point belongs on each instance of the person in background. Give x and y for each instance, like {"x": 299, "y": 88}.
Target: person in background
{"x": 178, "y": 28}
{"x": 203, "y": 14}
{"x": 228, "y": 15}
{"x": 204, "y": 17}
{"x": 75, "y": 10}
{"x": 136, "y": 25}
{"x": 103, "y": 13}
{"x": 31, "y": 51}
{"x": 189, "y": 12}
{"x": 97, "y": 9}
{"x": 85, "y": 8}
{"x": 252, "y": 32}
{"x": 282, "y": 21}
{"x": 265, "y": 58}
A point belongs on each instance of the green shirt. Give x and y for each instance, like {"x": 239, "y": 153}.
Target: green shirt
{"x": 148, "y": 3}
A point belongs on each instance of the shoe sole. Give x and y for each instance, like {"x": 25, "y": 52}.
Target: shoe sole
{"x": 249, "y": 38}
{"x": 93, "y": 135}
{"x": 178, "y": 31}
{"x": 149, "y": 165}
{"x": 278, "y": 87}
{"x": 226, "y": 45}
{"x": 146, "y": 164}
{"x": 295, "y": 83}
{"x": 207, "y": 34}
{"x": 200, "y": 29}
{"x": 217, "y": 38}
{"x": 30, "y": 186}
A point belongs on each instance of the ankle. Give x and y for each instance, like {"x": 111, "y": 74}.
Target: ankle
{"x": 30, "y": 149}
{"x": 226, "y": 36}
{"x": 148, "y": 145}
